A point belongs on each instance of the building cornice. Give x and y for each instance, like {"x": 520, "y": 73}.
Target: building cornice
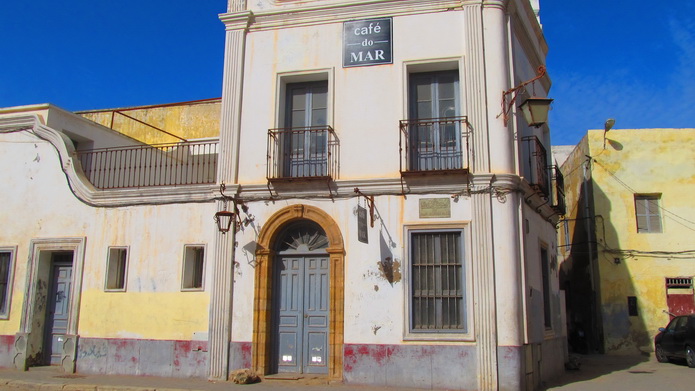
{"x": 336, "y": 12}
{"x": 84, "y": 190}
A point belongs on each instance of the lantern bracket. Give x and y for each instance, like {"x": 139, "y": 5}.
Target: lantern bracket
{"x": 508, "y": 102}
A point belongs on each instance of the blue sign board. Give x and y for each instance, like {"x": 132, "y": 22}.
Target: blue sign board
{"x": 367, "y": 42}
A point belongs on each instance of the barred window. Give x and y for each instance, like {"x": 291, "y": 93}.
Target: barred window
{"x": 437, "y": 281}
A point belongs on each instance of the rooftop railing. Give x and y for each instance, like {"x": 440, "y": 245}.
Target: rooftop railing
{"x": 172, "y": 164}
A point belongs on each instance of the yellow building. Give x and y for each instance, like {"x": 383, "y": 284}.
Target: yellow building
{"x": 628, "y": 237}
{"x": 166, "y": 123}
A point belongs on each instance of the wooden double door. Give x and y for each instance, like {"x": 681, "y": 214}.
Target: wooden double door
{"x": 302, "y": 316}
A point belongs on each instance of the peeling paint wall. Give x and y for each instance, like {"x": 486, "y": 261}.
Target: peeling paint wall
{"x": 642, "y": 161}
{"x": 636, "y": 161}
{"x": 189, "y": 120}
{"x": 38, "y": 201}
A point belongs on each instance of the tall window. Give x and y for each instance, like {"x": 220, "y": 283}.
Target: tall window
{"x": 437, "y": 281}
{"x": 6, "y": 263}
{"x": 435, "y": 142}
{"x": 116, "y": 269}
{"x": 306, "y": 138}
{"x": 193, "y": 268}
{"x": 648, "y": 213}
{"x": 545, "y": 275}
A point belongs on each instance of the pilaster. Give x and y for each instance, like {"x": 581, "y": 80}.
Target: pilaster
{"x": 484, "y": 276}
{"x": 223, "y": 259}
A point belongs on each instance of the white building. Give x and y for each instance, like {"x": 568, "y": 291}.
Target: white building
{"x": 394, "y": 218}
{"x": 395, "y": 107}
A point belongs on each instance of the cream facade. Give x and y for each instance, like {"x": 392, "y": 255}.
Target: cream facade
{"x": 629, "y": 208}
{"x": 394, "y": 216}
{"x": 494, "y": 202}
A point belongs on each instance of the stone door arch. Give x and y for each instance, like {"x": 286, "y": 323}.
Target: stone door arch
{"x": 265, "y": 256}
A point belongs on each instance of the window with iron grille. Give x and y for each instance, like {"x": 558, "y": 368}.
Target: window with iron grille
{"x": 116, "y": 269}
{"x": 437, "y": 282}
{"x": 6, "y": 268}
{"x": 193, "y": 268}
{"x": 648, "y": 213}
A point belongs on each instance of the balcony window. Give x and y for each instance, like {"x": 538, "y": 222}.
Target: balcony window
{"x": 434, "y": 139}
{"x": 304, "y": 148}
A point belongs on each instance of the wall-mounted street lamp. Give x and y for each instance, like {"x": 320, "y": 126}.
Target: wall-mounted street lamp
{"x": 225, "y": 218}
{"x": 606, "y": 127}
{"x": 534, "y": 109}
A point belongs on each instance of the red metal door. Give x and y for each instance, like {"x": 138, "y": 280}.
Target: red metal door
{"x": 679, "y": 296}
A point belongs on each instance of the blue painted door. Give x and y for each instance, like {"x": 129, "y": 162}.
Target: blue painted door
{"x": 58, "y": 307}
{"x": 302, "y": 331}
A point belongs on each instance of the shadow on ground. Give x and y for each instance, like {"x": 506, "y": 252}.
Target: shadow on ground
{"x": 592, "y": 366}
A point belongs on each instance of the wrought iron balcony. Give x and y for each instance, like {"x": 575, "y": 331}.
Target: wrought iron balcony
{"x": 434, "y": 145}
{"x": 558, "y": 188}
{"x": 173, "y": 164}
{"x": 536, "y": 169}
{"x": 302, "y": 153}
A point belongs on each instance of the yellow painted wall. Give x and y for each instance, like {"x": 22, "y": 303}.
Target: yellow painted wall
{"x": 188, "y": 120}
{"x": 641, "y": 161}
{"x": 144, "y": 315}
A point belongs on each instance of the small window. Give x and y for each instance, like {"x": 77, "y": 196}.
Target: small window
{"x": 116, "y": 268}
{"x": 6, "y": 269}
{"x": 437, "y": 287}
{"x": 193, "y": 268}
{"x": 632, "y": 306}
{"x": 545, "y": 275}
{"x": 648, "y": 213}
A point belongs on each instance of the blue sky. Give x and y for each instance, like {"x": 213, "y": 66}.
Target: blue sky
{"x": 632, "y": 60}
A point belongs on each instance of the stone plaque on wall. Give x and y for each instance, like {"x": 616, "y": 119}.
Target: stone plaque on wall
{"x": 435, "y": 208}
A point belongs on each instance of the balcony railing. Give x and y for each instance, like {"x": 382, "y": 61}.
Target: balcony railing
{"x": 173, "y": 164}
{"x": 435, "y": 145}
{"x": 302, "y": 153}
{"x": 537, "y": 164}
{"x": 558, "y": 188}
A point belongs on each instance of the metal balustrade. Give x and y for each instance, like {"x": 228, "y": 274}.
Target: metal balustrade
{"x": 558, "y": 188}
{"x": 302, "y": 153}
{"x": 435, "y": 145}
{"x": 172, "y": 164}
{"x": 536, "y": 171}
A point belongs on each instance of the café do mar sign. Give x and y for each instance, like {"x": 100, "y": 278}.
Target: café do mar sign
{"x": 367, "y": 42}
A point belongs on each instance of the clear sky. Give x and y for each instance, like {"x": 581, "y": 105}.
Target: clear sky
{"x": 633, "y": 60}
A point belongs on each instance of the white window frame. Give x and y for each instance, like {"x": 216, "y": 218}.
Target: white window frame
{"x": 653, "y": 198}
{"x": 188, "y": 266}
{"x": 468, "y": 332}
{"x": 108, "y": 271}
{"x": 313, "y": 75}
{"x": 12, "y": 250}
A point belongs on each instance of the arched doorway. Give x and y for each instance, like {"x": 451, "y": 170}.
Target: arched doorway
{"x": 292, "y": 332}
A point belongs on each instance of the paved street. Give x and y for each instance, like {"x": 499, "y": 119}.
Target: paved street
{"x": 596, "y": 373}
{"x": 633, "y": 373}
